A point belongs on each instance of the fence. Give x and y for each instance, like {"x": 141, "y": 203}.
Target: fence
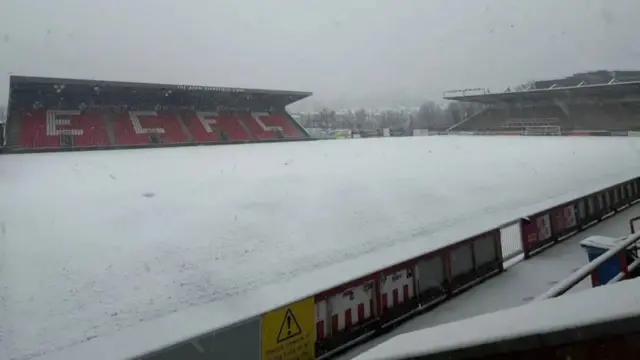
{"x": 544, "y": 131}
{"x": 335, "y": 319}
{"x": 597, "y": 324}
{"x": 532, "y": 339}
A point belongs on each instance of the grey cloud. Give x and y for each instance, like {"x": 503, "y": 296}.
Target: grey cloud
{"x": 347, "y": 52}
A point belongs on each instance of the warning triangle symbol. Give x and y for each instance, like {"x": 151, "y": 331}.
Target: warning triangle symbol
{"x": 289, "y": 328}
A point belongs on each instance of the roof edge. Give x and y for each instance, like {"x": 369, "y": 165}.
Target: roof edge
{"x": 21, "y": 79}
{"x": 491, "y": 97}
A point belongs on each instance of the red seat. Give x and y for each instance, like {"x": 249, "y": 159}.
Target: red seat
{"x": 57, "y": 128}
{"x": 145, "y": 127}
{"x": 289, "y": 129}
{"x": 258, "y": 129}
{"x": 207, "y": 126}
{"x": 264, "y": 126}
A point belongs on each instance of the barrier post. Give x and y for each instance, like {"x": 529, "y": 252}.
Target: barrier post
{"x": 524, "y": 236}
{"x": 377, "y": 283}
{"x": 624, "y": 268}
{"x": 448, "y": 274}
{"x": 631, "y": 221}
{"x": 498, "y": 244}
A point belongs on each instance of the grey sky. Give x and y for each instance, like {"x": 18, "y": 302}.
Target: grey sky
{"x": 348, "y": 52}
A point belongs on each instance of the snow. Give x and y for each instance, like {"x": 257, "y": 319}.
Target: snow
{"x": 96, "y": 242}
{"x": 517, "y": 286}
{"x": 601, "y": 304}
{"x": 602, "y": 242}
{"x": 520, "y": 284}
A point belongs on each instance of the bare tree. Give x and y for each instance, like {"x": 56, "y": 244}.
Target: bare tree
{"x": 431, "y": 116}
{"x": 526, "y": 86}
{"x": 360, "y": 118}
{"x": 325, "y": 119}
{"x": 390, "y": 119}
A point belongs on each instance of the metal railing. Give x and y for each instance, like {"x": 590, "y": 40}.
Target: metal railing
{"x": 590, "y": 269}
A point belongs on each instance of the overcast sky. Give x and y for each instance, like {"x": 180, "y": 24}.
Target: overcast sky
{"x": 348, "y": 52}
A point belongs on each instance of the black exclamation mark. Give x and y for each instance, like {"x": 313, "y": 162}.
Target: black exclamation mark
{"x": 288, "y": 326}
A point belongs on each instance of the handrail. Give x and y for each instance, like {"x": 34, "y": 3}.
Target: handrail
{"x": 566, "y": 284}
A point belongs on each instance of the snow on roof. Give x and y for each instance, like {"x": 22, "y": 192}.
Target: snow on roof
{"x": 96, "y": 242}
{"x": 602, "y": 304}
{"x": 605, "y": 91}
{"x": 36, "y": 81}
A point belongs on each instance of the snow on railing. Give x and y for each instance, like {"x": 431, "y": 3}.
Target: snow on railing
{"x": 591, "y": 268}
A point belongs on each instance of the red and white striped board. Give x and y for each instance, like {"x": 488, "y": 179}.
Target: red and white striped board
{"x": 342, "y": 311}
{"x": 396, "y": 288}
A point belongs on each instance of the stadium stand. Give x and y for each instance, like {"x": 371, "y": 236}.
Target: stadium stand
{"x": 47, "y": 114}
{"x": 593, "y": 101}
{"x": 202, "y": 127}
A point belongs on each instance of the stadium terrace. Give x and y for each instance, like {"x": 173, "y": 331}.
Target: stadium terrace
{"x": 593, "y": 103}
{"x": 62, "y": 114}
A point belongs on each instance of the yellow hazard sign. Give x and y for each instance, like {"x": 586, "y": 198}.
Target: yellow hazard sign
{"x": 289, "y": 333}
